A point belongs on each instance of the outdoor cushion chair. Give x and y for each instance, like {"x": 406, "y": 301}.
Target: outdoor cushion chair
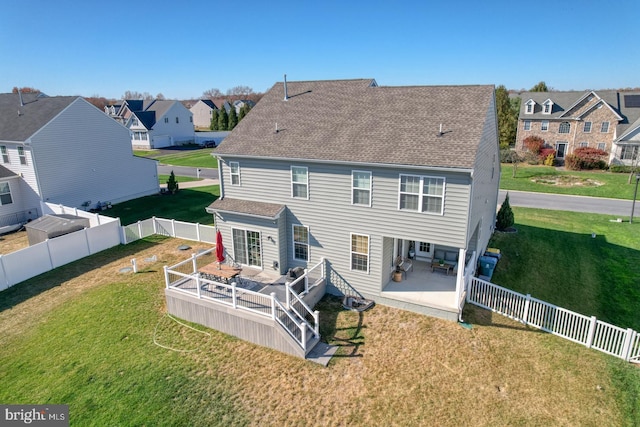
{"x": 404, "y": 264}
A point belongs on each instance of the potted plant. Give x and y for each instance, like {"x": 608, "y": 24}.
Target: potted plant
{"x": 397, "y": 274}
{"x": 441, "y": 262}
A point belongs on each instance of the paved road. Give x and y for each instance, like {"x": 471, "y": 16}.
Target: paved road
{"x": 188, "y": 171}
{"x": 616, "y": 207}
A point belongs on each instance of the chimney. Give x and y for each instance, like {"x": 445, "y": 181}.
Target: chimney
{"x": 286, "y": 96}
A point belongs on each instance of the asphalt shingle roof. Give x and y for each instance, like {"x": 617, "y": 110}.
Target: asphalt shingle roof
{"x": 34, "y": 114}
{"x": 6, "y": 173}
{"x": 246, "y": 207}
{"x": 351, "y": 121}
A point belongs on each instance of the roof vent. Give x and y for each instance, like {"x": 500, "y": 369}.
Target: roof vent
{"x": 440, "y": 133}
{"x": 286, "y": 96}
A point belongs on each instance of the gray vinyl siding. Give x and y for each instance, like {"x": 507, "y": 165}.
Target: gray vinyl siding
{"x": 82, "y": 155}
{"x": 332, "y": 218}
{"x": 485, "y": 183}
{"x": 270, "y": 251}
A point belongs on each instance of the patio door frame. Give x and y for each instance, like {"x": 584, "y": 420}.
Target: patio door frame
{"x": 251, "y": 240}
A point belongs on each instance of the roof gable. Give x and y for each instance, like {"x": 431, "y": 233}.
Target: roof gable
{"x": 357, "y": 121}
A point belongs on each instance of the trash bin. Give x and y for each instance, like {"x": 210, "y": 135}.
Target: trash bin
{"x": 486, "y": 265}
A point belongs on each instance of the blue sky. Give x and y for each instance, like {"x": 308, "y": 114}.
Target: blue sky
{"x": 181, "y": 49}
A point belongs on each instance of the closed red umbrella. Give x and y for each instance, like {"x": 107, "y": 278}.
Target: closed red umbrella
{"x": 219, "y": 247}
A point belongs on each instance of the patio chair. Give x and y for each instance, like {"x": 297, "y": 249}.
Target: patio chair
{"x": 404, "y": 264}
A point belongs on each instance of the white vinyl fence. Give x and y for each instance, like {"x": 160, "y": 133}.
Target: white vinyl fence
{"x": 589, "y": 331}
{"x": 42, "y": 257}
{"x": 168, "y": 227}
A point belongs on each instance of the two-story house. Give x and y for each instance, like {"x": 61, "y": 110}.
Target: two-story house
{"x": 202, "y": 113}
{"x": 156, "y": 123}
{"x": 364, "y": 176}
{"x": 64, "y": 150}
{"x": 570, "y": 120}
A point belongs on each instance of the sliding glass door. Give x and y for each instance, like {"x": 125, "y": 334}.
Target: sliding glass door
{"x": 246, "y": 247}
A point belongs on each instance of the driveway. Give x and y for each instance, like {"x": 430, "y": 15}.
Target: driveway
{"x": 615, "y": 207}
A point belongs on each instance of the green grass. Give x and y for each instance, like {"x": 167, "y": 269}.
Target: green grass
{"x": 554, "y": 258}
{"x": 145, "y": 153}
{"x": 162, "y": 179}
{"x": 201, "y": 158}
{"x": 613, "y": 185}
{"x": 187, "y": 204}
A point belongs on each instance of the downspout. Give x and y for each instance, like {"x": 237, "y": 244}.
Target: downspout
{"x": 220, "y": 178}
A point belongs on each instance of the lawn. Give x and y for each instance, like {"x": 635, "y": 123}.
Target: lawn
{"x": 554, "y": 257}
{"x": 199, "y": 158}
{"x": 146, "y": 153}
{"x": 547, "y": 179}
{"x": 187, "y": 204}
{"x": 84, "y": 335}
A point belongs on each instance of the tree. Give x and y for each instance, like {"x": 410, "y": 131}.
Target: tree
{"x": 505, "y": 219}
{"x": 223, "y": 119}
{"x": 244, "y": 110}
{"x": 25, "y": 90}
{"x": 172, "y": 184}
{"x": 233, "y": 118}
{"x": 137, "y": 95}
{"x": 212, "y": 93}
{"x": 507, "y": 118}
{"x": 160, "y": 97}
{"x": 240, "y": 91}
{"x": 214, "y": 120}
{"x": 540, "y": 87}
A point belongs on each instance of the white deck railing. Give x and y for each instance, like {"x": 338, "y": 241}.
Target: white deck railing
{"x": 589, "y": 331}
{"x": 291, "y": 314}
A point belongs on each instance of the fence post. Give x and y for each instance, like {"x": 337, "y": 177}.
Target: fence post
{"x": 303, "y": 329}
{"x": 322, "y": 268}
{"x": 173, "y": 227}
{"x": 626, "y": 347}
{"x": 469, "y": 286}
{"x": 140, "y": 236}
{"x": 194, "y": 262}
{"x": 234, "y": 297}
{"x": 166, "y": 275}
{"x": 49, "y": 252}
{"x": 306, "y": 281}
{"x": 527, "y": 303}
{"x": 592, "y": 330}
{"x": 316, "y": 326}
{"x": 198, "y": 231}
{"x": 155, "y": 225}
{"x": 198, "y": 286}
{"x": 98, "y": 218}
{"x": 4, "y": 273}
{"x": 273, "y": 305}
{"x": 134, "y": 264}
{"x": 86, "y": 238}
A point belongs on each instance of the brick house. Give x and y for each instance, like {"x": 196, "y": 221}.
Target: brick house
{"x": 569, "y": 120}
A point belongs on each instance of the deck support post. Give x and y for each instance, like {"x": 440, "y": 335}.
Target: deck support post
{"x": 234, "y": 299}
{"x": 287, "y": 294}
{"x": 316, "y": 326}
{"x": 273, "y": 305}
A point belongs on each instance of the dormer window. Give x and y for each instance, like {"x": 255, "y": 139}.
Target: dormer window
{"x": 547, "y": 106}
{"x": 529, "y": 106}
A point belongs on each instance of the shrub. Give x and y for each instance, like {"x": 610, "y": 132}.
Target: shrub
{"x": 505, "y": 219}
{"x": 534, "y": 144}
{"x": 586, "y": 158}
{"x": 509, "y": 156}
{"x": 172, "y": 184}
{"x": 621, "y": 169}
{"x": 547, "y": 156}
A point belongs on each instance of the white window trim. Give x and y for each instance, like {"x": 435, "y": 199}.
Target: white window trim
{"x": 351, "y": 252}
{"x": 585, "y": 126}
{"x": 530, "y": 104}
{"x": 355, "y": 188}
{"x": 22, "y": 155}
{"x": 8, "y": 192}
{"x": 420, "y": 194}
{"x": 231, "y": 174}
{"x": 300, "y": 183}
{"x": 293, "y": 242}
{"x": 527, "y": 125}
{"x": 602, "y": 126}
{"x": 560, "y": 127}
{"x": 246, "y": 241}
{"x": 583, "y": 144}
{"x": 542, "y": 127}
{"x": 603, "y": 144}
{"x": 5, "y": 154}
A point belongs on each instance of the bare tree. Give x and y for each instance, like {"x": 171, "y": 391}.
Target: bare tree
{"x": 25, "y": 90}
{"x": 212, "y": 93}
{"x": 160, "y": 96}
{"x": 132, "y": 95}
{"x": 240, "y": 92}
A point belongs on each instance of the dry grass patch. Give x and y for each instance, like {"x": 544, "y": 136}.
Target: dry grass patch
{"x": 566, "y": 181}
{"x": 13, "y": 241}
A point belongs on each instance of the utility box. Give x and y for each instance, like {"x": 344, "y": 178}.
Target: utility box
{"x": 51, "y": 226}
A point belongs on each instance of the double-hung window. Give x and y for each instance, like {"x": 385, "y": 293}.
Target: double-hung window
{"x": 422, "y": 194}
{"x": 361, "y": 188}
{"x": 359, "y": 252}
{"x": 544, "y": 126}
{"x": 300, "y": 182}
{"x": 22, "y": 156}
{"x": 5, "y": 154}
{"x": 601, "y": 146}
{"x": 605, "y": 127}
{"x": 234, "y": 170}
{"x": 587, "y": 127}
{"x": 527, "y": 125}
{"x": 301, "y": 242}
{"x": 5, "y": 194}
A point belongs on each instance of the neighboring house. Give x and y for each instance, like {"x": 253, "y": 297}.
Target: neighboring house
{"x": 156, "y": 123}
{"x": 112, "y": 110}
{"x": 64, "y": 150}
{"x": 237, "y": 104}
{"x": 606, "y": 120}
{"x": 364, "y": 177}
{"x": 202, "y": 113}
